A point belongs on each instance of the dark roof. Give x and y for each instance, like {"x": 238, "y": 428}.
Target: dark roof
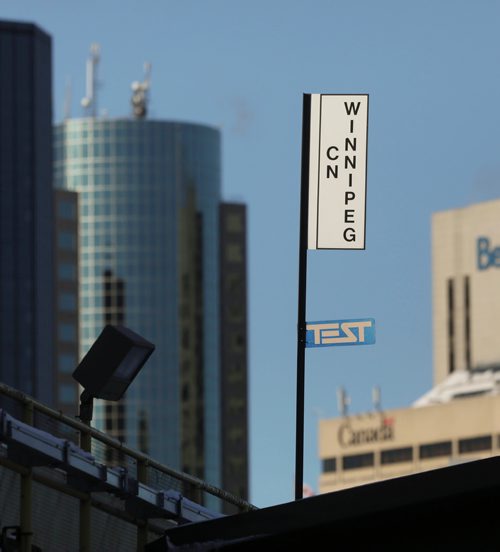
{"x": 441, "y": 509}
{"x": 19, "y": 27}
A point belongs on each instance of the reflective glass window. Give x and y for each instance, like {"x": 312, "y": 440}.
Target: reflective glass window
{"x": 67, "y": 331}
{"x": 66, "y": 240}
{"x": 393, "y": 456}
{"x": 355, "y": 461}
{"x": 67, "y": 362}
{"x": 67, "y": 301}
{"x": 329, "y": 465}
{"x": 66, "y": 209}
{"x": 67, "y": 393}
{"x": 475, "y": 444}
{"x": 66, "y": 271}
{"x": 433, "y": 450}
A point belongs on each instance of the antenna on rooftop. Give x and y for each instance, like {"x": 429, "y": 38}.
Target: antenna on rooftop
{"x": 343, "y": 401}
{"x": 140, "y": 93}
{"x": 377, "y": 398}
{"x": 89, "y": 102}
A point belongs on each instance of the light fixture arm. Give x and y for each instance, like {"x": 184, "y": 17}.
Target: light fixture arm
{"x": 86, "y": 407}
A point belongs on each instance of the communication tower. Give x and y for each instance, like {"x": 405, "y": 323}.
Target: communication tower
{"x": 140, "y": 94}
{"x": 89, "y": 102}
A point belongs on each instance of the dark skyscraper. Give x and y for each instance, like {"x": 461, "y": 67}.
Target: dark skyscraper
{"x": 234, "y": 348}
{"x": 26, "y": 211}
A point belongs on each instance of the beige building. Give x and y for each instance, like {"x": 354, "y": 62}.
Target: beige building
{"x": 459, "y": 419}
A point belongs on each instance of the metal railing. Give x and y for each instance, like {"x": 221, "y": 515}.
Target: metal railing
{"x": 149, "y": 475}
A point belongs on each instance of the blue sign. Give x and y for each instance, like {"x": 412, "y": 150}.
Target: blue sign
{"x": 328, "y": 333}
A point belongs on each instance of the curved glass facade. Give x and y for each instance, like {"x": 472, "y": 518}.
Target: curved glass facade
{"x": 149, "y": 194}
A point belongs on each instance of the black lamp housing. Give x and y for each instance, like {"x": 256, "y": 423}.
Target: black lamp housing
{"x": 112, "y": 363}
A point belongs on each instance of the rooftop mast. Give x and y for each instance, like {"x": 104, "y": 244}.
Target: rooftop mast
{"x": 140, "y": 93}
{"x": 89, "y": 102}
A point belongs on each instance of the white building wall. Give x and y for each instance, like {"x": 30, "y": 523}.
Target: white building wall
{"x": 458, "y": 254}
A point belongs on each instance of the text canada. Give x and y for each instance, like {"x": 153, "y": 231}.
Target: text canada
{"x": 348, "y": 436}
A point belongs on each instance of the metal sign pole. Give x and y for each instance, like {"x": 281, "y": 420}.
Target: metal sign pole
{"x": 301, "y": 324}
{"x": 337, "y": 197}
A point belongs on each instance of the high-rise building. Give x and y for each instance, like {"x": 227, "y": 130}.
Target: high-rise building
{"x": 38, "y": 229}
{"x": 459, "y": 418}
{"x": 234, "y": 353}
{"x": 149, "y": 197}
{"x": 466, "y": 284}
{"x": 26, "y": 211}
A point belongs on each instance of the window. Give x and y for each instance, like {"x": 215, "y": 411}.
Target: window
{"x": 67, "y": 271}
{"x": 234, "y": 223}
{"x": 451, "y": 327}
{"x": 393, "y": 456}
{"x": 475, "y": 444}
{"x": 121, "y": 421}
{"x": 234, "y": 252}
{"x": 329, "y": 465}
{"x": 467, "y": 328}
{"x": 67, "y": 393}
{"x": 355, "y": 461}
{"x": 185, "y": 338}
{"x": 67, "y": 331}
{"x": 66, "y": 209}
{"x": 67, "y": 301}
{"x": 108, "y": 423}
{"x": 433, "y": 450}
{"x": 67, "y": 362}
{"x": 238, "y": 342}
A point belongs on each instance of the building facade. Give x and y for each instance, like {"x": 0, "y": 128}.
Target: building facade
{"x": 466, "y": 281}
{"x": 459, "y": 418}
{"x": 27, "y": 319}
{"x": 149, "y": 194}
{"x": 66, "y": 299}
{"x": 234, "y": 349}
{"x": 360, "y": 449}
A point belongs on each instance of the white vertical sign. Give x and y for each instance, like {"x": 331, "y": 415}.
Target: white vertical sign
{"x": 337, "y": 171}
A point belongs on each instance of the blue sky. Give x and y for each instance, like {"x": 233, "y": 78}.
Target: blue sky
{"x": 432, "y": 72}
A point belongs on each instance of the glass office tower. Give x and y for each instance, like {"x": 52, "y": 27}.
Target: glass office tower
{"x": 149, "y": 194}
{"x": 26, "y": 211}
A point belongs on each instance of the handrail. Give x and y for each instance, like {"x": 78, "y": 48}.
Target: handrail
{"x": 114, "y": 443}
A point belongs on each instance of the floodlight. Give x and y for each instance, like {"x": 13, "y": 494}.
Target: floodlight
{"x": 110, "y": 366}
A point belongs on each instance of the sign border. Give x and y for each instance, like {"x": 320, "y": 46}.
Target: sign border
{"x": 316, "y": 191}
